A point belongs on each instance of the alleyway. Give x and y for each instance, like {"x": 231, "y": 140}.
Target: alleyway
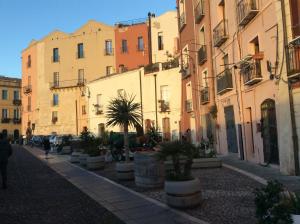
{"x": 36, "y": 195}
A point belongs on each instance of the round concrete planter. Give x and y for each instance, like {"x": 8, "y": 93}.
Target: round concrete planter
{"x": 95, "y": 162}
{"x": 296, "y": 219}
{"x": 183, "y": 194}
{"x": 149, "y": 172}
{"x": 125, "y": 171}
{"x": 82, "y": 159}
{"x": 74, "y": 158}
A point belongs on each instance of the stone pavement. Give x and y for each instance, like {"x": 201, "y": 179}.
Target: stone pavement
{"x": 261, "y": 173}
{"x": 128, "y": 205}
{"x": 38, "y": 195}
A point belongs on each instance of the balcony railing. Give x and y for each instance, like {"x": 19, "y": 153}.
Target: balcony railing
{"x": 204, "y": 95}
{"x": 164, "y": 106}
{"x": 220, "y": 33}
{"x": 27, "y": 89}
{"x": 294, "y": 60}
{"x": 5, "y": 120}
{"x": 109, "y": 51}
{"x": 246, "y": 11}
{"x": 251, "y": 72}
{"x": 202, "y": 55}
{"x": 170, "y": 64}
{"x": 182, "y": 21}
{"x": 188, "y": 105}
{"x": 98, "y": 108}
{"x": 17, "y": 102}
{"x": 67, "y": 84}
{"x": 185, "y": 72}
{"x": 17, "y": 120}
{"x": 54, "y": 120}
{"x": 199, "y": 11}
{"x": 224, "y": 81}
{"x": 151, "y": 68}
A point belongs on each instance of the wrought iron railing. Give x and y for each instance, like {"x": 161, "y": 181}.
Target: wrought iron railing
{"x": 17, "y": 102}
{"x": 164, "y": 106}
{"x": 182, "y": 21}
{"x": 170, "y": 64}
{"x": 246, "y": 11}
{"x": 220, "y": 33}
{"x": 151, "y": 68}
{"x": 67, "y": 83}
{"x": 27, "y": 89}
{"x": 251, "y": 72}
{"x": 199, "y": 11}
{"x": 204, "y": 95}
{"x": 189, "y": 105}
{"x": 224, "y": 81}
{"x": 294, "y": 60}
{"x": 202, "y": 55}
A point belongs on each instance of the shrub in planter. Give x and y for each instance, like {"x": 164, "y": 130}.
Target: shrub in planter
{"x": 182, "y": 189}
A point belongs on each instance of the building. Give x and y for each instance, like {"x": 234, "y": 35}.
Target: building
{"x": 55, "y": 71}
{"x": 160, "y": 108}
{"x": 10, "y": 106}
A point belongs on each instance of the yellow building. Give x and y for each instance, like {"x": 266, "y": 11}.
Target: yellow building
{"x": 10, "y": 106}
{"x": 55, "y": 82}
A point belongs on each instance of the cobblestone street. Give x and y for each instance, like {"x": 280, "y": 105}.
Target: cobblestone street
{"x": 37, "y": 195}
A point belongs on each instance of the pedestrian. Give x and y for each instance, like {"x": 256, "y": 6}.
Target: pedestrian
{"x": 5, "y": 153}
{"x": 46, "y": 144}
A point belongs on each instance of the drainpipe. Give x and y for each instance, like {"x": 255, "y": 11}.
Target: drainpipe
{"x": 76, "y": 112}
{"x": 141, "y": 98}
{"x": 149, "y": 37}
{"x": 155, "y": 87}
{"x": 292, "y": 111}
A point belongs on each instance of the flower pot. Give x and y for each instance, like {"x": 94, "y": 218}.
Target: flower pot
{"x": 149, "y": 172}
{"x": 183, "y": 194}
{"x": 206, "y": 163}
{"x": 296, "y": 219}
{"x": 125, "y": 171}
{"x": 95, "y": 162}
{"x": 75, "y": 157}
{"x": 83, "y": 159}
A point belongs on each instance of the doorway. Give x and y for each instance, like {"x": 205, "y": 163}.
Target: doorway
{"x": 269, "y": 132}
{"x": 166, "y": 129}
{"x": 230, "y": 129}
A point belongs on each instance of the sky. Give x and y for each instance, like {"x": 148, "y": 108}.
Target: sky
{"x": 24, "y": 20}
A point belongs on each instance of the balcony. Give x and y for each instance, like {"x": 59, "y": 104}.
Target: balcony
{"x": 17, "y": 120}
{"x": 5, "y": 120}
{"x": 204, "y": 96}
{"x": 246, "y": 11}
{"x": 251, "y": 72}
{"x": 224, "y": 82}
{"x": 202, "y": 55}
{"x": 188, "y": 106}
{"x": 54, "y": 120}
{"x": 170, "y": 64}
{"x": 182, "y": 21}
{"x": 294, "y": 60}
{"x": 109, "y": 51}
{"x": 164, "y": 106}
{"x": 151, "y": 68}
{"x": 185, "y": 72}
{"x": 67, "y": 84}
{"x": 199, "y": 11}
{"x": 220, "y": 33}
{"x": 17, "y": 102}
{"x": 27, "y": 89}
{"x": 98, "y": 109}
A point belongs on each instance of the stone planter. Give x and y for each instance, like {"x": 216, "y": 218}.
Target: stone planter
{"x": 125, "y": 171}
{"x": 148, "y": 171}
{"x": 183, "y": 194}
{"x": 296, "y": 219}
{"x": 95, "y": 162}
{"x": 206, "y": 163}
{"x": 74, "y": 158}
{"x": 83, "y": 159}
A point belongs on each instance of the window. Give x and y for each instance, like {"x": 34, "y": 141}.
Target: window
{"x": 108, "y": 47}
{"x": 165, "y": 93}
{"x": 140, "y": 44}
{"x": 80, "y": 53}
{"x": 124, "y": 46}
{"x": 83, "y": 110}
{"x": 122, "y": 68}
{"x": 255, "y": 45}
{"x": 55, "y": 57}
{"x": 29, "y": 103}
{"x": 99, "y": 96}
{"x": 16, "y": 95}
{"x": 4, "y": 113}
{"x": 202, "y": 36}
{"x": 54, "y": 116}
{"x": 29, "y": 61}
{"x": 204, "y": 78}
{"x": 160, "y": 41}
{"x": 55, "y": 79}
{"x": 4, "y": 94}
{"x": 189, "y": 91}
{"x": 80, "y": 76}
{"x": 226, "y": 62}
{"x": 55, "y": 99}
{"x": 16, "y": 114}
{"x": 108, "y": 70}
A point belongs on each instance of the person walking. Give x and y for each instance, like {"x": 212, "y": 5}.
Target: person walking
{"x": 47, "y": 147}
{"x": 5, "y": 153}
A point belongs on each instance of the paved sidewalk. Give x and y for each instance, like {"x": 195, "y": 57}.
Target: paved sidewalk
{"x": 38, "y": 195}
{"x": 261, "y": 173}
{"x": 129, "y": 206}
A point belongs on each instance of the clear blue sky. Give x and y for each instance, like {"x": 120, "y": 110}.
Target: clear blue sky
{"x": 24, "y": 20}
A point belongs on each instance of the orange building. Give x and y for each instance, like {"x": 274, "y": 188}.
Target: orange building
{"x": 132, "y": 45}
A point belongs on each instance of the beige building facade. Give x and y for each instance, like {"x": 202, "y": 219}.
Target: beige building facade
{"x": 160, "y": 109}
{"x": 10, "y": 107}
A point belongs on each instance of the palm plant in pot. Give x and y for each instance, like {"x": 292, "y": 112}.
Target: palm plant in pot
{"x": 124, "y": 112}
{"x": 94, "y": 160}
{"x": 182, "y": 189}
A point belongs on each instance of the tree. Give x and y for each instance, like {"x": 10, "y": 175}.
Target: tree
{"x": 123, "y": 111}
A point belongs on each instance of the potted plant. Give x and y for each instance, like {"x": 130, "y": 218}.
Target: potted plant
{"x": 292, "y": 202}
{"x": 124, "y": 112}
{"x": 181, "y": 188}
{"x": 95, "y": 160}
{"x": 87, "y": 139}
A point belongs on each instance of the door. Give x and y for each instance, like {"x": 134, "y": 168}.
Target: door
{"x": 16, "y": 134}
{"x": 101, "y": 129}
{"x": 166, "y": 129}
{"x": 269, "y": 131}
{"x": 249, "y": 140}
{"x": 230, "y": 129}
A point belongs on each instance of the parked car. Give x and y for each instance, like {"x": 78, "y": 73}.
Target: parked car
{"x": 37, "y": 140}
